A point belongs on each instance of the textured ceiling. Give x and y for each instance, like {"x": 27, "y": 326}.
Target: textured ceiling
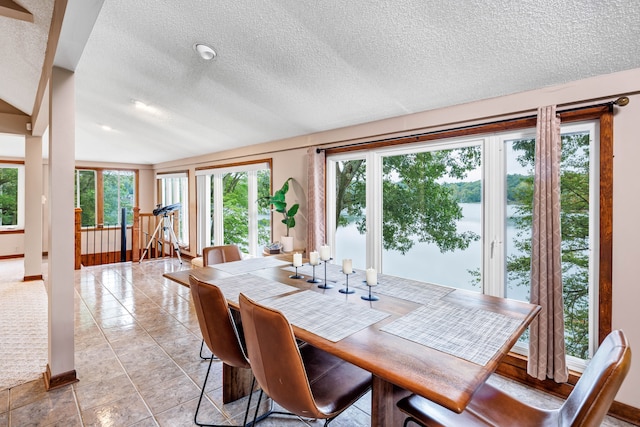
{"x": 22, "y": 48}
{"x": 292, "y": 67}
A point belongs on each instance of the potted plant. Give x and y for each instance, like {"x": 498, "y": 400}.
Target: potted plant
{"x": 280, "y": 205}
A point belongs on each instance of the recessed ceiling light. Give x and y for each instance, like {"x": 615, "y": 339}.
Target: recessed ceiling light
{"x": 204, "y": 51}
{"x": 145, "y": 107}
{"x": 106, "y": 128}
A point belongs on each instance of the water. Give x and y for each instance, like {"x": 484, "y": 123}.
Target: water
{"x": 424, "y": 261}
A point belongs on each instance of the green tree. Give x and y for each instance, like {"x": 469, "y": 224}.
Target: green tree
{"x": 574, "y": 224}
{"x": 417, "y": 205}
{"x": 87, "y": 192}
{"x": 9, "y": 195}
{"x": 236, "y": 209}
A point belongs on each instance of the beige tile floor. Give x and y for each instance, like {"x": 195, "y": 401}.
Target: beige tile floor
{"x": 136, "y": 354}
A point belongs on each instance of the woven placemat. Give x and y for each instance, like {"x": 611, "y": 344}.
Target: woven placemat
{"x": 325, "y": 316}
{"x": 471, "y": 334}
{"x": 256, "y": 288}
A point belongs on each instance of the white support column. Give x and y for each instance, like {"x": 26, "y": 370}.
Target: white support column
{"x": 60, "y": 370}
{"x": 33, "y": 209}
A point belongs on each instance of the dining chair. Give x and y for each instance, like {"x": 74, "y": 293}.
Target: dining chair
{"x": 218, "y": 254}
{"x": 212, "y": 255}
{"x": 587, "y": 405}
{"x": 219, "y": 332}
{"x": 304, "y": 380}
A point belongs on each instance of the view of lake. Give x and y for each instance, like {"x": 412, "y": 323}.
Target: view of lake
{"x": 424, "y": 261}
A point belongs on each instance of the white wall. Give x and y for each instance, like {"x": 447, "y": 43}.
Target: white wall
{"x": 626, "y": 237}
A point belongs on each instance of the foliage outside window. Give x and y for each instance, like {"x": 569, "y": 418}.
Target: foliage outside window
{"x": 174, "y": 188}
{"x": 458, "y": 213}
{"x": 228, "y": 212}
{"x": 85, "y": 196}
{"x": 11, "y": 196}
{"x": 101, "y": 194}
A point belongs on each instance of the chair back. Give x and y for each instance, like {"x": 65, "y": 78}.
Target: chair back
{"x": 593, "y": 394}
{"x": 276, "y": 360}
{"x": 216, "y": 324}
{"x": 218, "y": 254}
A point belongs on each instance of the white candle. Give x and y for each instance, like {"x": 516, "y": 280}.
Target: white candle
{"x": 314, "y": 258}
{"x": 347, "y": 266}
{"x": 297, "y": 260}
{"x": 325, "y": 252}
{"x": 372, "y": 277}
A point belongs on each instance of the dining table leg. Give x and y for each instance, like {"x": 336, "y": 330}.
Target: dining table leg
{"x": 384, "y": 396}
{"x": 236, "y": 383}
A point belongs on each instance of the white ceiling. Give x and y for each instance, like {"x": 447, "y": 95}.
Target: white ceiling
{"x": 293, "y": 67}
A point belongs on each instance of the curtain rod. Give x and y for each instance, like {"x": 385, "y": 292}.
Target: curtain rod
{"x": 621, "y": 102}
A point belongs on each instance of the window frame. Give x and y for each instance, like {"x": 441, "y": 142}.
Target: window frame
{"x": 20, "y": 202}
{"x": 184, "y": 202}
{"x": 100, "y": 192}
{"x": 203, "y": 202}
{"x": 603, "y": 114}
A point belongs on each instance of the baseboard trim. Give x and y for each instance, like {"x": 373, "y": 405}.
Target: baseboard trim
{"x": 57, "y": 381}
{"x": 514, "y": 366}
{"x": 32, "y": 278}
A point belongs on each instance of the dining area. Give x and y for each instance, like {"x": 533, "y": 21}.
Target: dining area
{"x": 137, "y": 355}
{"x": 424, "y": 346}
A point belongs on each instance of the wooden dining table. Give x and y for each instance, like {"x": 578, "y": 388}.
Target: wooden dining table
{"x": 393, "y": 349}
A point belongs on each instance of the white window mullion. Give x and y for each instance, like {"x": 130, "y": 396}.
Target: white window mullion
{"x": 494, "y": 211}
{"x": 203, "y": 188}
{"x": 218, "y": 216}
{"x": 330, "y": 235}
{"x": 374, "y": 211}
{"x": 252, "y": 190}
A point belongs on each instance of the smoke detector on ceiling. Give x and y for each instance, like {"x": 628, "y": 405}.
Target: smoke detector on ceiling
{"x": 204, "y": 51}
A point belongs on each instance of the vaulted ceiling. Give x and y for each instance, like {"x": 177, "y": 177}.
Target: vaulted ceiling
{"x": 290, "y": 67}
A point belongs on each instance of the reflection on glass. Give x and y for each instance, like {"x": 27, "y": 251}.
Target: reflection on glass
{"x": 432, "y": 204}
{"x": 350, "y": 212}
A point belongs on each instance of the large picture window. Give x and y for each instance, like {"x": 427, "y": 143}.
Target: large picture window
{"x": 11, "y": 196}
{"x": 103, "y": 193}
{"x": 457, "y": 212}
{"x": 174, "y": 188}
{"x": 228, "y": 212}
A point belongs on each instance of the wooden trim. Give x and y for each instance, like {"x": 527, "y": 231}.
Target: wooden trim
{"x": 136, "y": 196}
{"x": 605, "y": 291}
{"x": 13, "y": 10}
{"x": 78, "y": 239}
{"x": 9, "y": 231}
{"x": 135, "y": 235}
{"x": 32, "y": 278}
{"x": 59, "y": 8}
{"x": 13, "y": 256}
{"x": 587, "y": 113}
{"x": 57, "y": 381}
{"x": 625, "y": 412}
{"x": 99, "y": 198}
{"x": 11, "y": 162}
{"x": 502, "y": 126}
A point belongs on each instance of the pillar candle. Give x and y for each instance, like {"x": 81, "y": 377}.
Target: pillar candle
{"x": 314, "y": 258}
{"x": 325, "y": 252}
{"x": 347, "y": 267}
{"x": 297, "y": 260}
{"x": 372, "y": 277}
